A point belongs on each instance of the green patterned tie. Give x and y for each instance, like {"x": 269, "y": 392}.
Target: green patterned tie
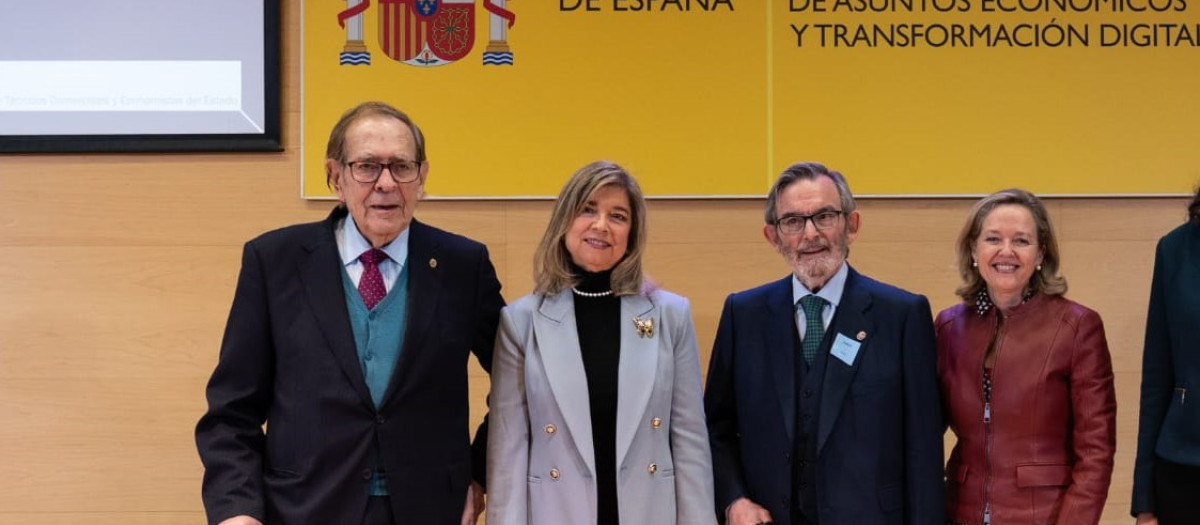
{"x": 814, "y": 329}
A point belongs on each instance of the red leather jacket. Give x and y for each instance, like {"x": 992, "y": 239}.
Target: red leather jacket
{"x": 1041, "y": 451}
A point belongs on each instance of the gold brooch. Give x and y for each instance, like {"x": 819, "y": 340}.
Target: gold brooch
{"x": 645, "y": 327}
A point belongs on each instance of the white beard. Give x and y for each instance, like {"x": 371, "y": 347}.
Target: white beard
{"x": 815, "y": 270}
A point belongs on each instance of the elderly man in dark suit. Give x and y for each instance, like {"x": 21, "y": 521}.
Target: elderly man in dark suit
{"x": 822, "y": 396}
{"x": 349, "y": 338}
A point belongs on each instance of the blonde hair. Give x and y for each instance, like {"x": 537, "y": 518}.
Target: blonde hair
{"x": 552, "y": 262}
{"x": 1046, "y": 280}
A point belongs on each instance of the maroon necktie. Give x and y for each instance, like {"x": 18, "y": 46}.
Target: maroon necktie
{"x": 370, "y": 286}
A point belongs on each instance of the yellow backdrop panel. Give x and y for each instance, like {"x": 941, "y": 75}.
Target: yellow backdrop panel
{"x": 713, "y": 97}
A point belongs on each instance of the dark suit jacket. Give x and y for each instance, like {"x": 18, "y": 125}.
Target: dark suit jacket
{"x": 1169, "y": 425}
{"x": 288, "y": 359}
{"x": 879, "y": 423}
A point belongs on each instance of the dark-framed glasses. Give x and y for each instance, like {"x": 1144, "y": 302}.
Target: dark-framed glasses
{"x": 794, "y": 223}
{"x": 369, "y": 171}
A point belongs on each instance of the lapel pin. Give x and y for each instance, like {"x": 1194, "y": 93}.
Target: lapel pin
{"x": 433, "y": 263}
{"x": 645, "y": 327}
{"x": 861, "y": 335}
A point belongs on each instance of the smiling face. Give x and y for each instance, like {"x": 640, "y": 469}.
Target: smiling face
{"x": 384, "y": 208}
{"x": 1007, "y": 253}
{"x": 814, "y": 255}
{"x": 599, "y": 235}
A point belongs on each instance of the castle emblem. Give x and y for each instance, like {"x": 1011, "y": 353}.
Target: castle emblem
{"x": 426, "y": 33}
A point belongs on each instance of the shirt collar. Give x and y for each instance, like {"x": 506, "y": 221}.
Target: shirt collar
{"x": 831, "y": 292}
{"x": 351, "y": 243}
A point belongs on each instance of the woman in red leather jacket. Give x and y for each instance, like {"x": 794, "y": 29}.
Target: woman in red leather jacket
{"x": 1026, "y": 378}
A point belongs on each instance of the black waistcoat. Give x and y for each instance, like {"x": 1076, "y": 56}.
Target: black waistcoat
{"x": 804, "y": 442}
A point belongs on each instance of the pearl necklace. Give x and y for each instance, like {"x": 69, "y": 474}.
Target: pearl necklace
{"x": 591, "y": 294}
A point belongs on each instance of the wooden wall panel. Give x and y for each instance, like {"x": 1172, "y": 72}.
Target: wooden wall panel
{"x": 102, "y": 518}
{"x": 116, "y": 273}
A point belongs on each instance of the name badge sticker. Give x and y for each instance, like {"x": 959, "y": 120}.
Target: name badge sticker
{"x": 845, "y": 349}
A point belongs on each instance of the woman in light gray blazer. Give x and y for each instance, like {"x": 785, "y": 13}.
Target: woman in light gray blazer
{"x": 596, "y": 412}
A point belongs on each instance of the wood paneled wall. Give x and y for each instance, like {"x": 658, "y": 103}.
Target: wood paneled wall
{"x": 116, "y": 274}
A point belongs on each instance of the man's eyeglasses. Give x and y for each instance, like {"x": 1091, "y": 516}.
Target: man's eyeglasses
{"x": 794, "y": 223}
{"x": 369, "y": 171}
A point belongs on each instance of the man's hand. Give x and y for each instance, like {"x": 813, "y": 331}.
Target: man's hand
{"x": 473, "y": 506}
{"x": 745, "y": 512}
{"x": 241, "y": 520}
{"x": 1146, "y": 518}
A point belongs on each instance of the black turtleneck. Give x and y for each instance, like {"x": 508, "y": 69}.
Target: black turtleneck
{"x": 598, "y": 322}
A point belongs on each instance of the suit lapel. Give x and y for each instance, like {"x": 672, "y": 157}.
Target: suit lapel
{"x": 637, "y": 368}
{"x": 850, "y": 319}
{"x": 424, "y": 292}
{"x": 321, "y": 273}
{"x": 557, "y": 343}
{"x": 780, "y": 336}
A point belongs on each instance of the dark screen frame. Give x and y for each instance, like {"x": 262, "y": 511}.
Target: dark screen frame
{"x": 267, "y": 141}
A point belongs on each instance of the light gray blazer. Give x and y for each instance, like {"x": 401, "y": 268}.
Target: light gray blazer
{"x": 541, "y": 468}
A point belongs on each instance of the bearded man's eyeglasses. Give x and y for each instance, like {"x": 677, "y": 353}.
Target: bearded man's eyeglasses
{"x": 794, "y": 223}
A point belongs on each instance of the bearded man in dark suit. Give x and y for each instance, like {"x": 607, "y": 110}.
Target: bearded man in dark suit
{"x": 822, "y": 394}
